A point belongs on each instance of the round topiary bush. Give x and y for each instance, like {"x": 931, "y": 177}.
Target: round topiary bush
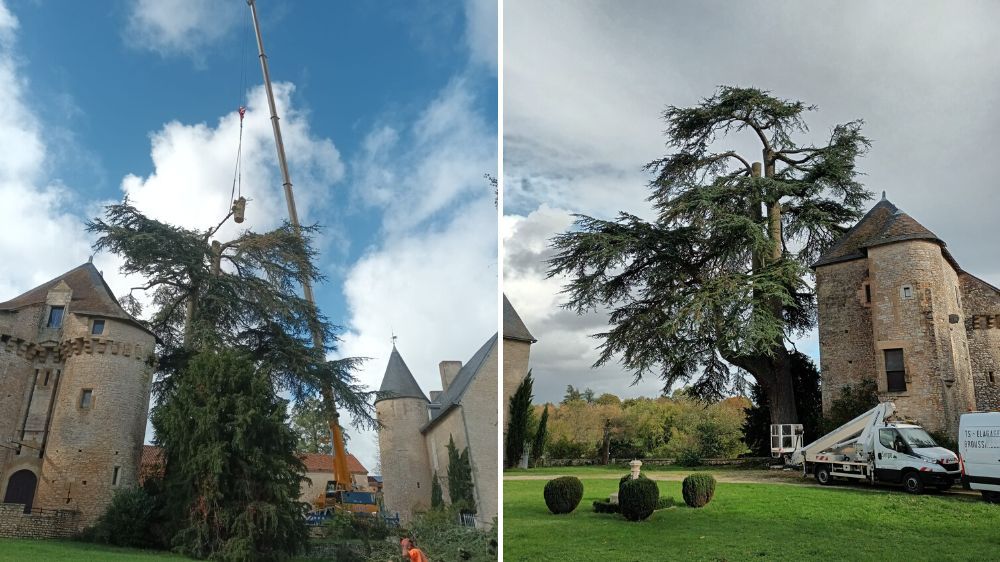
{"x": 637, "y": 499}
{"x": 563, "y": 494}
{"x": 698, "y": 489}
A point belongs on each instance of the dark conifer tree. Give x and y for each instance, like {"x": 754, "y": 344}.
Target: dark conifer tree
{"x": 519, "y": 424}
{"x": 541, "y": 436}
{"x": 460, "y": 486}
{"x": 232, "y": 488}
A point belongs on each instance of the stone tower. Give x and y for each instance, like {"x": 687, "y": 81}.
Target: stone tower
{"x": 75, "y": 375}
{"x": 890, "y": 298}
{"x": 406, "y": 474}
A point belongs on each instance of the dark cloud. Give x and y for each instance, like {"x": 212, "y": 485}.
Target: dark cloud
{"x": 586, "y": 82}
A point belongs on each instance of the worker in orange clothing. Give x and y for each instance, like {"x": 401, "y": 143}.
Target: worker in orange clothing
{"x": 411, "y": 550}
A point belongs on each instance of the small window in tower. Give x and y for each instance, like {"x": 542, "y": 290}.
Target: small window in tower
{"x": 895, "y": 371}
{"x": 868, "y": 293}
{"x": 86, "y": 398}
{"x": 114, "y": 475}
{"x": 989, "y": 375}
{"x": 55, "y": 317}
{"x": 906, "y": 291}
{"x": 98, "y": 327}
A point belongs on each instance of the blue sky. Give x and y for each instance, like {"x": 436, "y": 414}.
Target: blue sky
{"x": 389, "y": 112}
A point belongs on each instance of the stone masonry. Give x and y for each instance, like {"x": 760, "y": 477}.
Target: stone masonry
{"x": 890, "y": 289}
{"x": 75, "y": 376}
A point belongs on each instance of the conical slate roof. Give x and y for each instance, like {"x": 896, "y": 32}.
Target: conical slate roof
{"x": 91, "y": 295}
{"x": 398, "y": 381}
{"x": 883, "y": 224}
{"x": 513, "y": 327}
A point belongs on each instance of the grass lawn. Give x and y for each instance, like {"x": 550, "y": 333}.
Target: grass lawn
{"x": 19, "y": 550}
{"x": 752, "y": 521}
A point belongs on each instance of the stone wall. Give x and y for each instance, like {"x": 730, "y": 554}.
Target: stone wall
{"x": 847, "y": 354}
{"x": 981, "y": 302}
{"x": 479, "y": 406}
{"x": 56, "y": 524}
{"x": 925, "y": 326}
{"x": 86, "y": 447}
{"x": 403, "y": 453}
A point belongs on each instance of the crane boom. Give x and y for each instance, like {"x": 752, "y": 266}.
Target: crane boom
{"x": 341, "y": 473}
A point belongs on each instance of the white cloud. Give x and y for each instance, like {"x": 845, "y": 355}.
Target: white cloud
{"x": 435, "y": 290}
{"x": 418, "y": 173}
{"x": 432, "y": 279}
{"x": 481, "y": 31}
{"x": 181, "y": 27}
{"x": 194, "y": 167}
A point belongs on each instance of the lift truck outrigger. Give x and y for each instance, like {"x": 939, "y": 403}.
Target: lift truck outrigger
{"x": 872, "y": 448}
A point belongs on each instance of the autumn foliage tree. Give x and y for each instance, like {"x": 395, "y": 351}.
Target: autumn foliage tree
{"x": 717, "y": 283}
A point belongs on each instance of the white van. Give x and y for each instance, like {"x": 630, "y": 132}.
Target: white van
{"x": 979, "y": 452}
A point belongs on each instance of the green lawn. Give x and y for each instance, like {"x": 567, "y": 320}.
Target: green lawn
{"x": 753, "y": 521}
{"x": 19, "y": 550}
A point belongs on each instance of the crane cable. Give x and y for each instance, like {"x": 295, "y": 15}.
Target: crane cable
{"x": 236, "y": 193}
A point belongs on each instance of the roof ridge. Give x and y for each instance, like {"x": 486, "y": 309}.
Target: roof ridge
{"x": 893, "y": 225}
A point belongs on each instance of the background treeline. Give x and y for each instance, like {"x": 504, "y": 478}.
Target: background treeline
{"x": 684, "y": 426}
{"x": 680, "y": 427}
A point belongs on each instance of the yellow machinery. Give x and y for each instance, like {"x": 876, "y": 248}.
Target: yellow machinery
{"x": 340, "y": 493}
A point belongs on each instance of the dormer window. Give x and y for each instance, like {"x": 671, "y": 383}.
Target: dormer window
{"x": 55, "y": 317}
{"x": 98, "y": 327}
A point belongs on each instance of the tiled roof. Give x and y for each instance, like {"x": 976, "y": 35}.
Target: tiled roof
{"x": 324, "y": 463}
{"x": 456, "y": 390}
{"x": 151, "y": 462}
{"x": 398, "y": 381}
{"x": 513, "y": 327}
{"x": 883, "y": 224}
{"x": 91, "y": 295}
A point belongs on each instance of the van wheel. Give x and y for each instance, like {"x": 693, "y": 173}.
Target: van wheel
{"x": 823, "y": 475}
{"x": 912, "y": 482}
{"x": 990, "y": 496}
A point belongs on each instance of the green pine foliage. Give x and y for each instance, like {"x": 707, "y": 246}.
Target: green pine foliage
{"x": 563, "y": 494}
{"x": 460, "y": 486}
{"x": 710, "y": 289}
{"x": 437, "y": 494}
{"x": 127, "y": 521}
{"x": 232, "y": 482}
{"x": 518, "y": 428}
{"x": 638, "y": 498}
{"x": 237, "y": 294}
{"x": 698, "y": 489}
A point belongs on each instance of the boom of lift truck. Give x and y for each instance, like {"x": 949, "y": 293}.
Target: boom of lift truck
{"x": 872, "y": 447}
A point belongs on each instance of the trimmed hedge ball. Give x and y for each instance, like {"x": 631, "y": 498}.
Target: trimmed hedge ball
{"x": 637, "y": 499}
{"x": 698, "y": 489}
{"x": 563, "y": 494}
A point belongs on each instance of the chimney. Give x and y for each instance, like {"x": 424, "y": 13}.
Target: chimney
{"x": 448, "y": 371}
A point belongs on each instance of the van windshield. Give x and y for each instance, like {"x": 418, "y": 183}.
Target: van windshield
{"x": 917, "y": 438}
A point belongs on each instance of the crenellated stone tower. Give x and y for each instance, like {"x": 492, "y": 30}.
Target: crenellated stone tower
{"x": 75, "y": 376}
{"x": 894, "y": 306}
